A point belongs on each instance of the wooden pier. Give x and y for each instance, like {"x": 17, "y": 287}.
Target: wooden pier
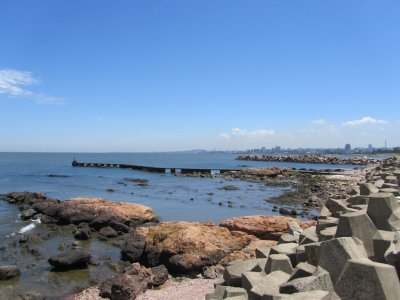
{"x": 153, "y": 169}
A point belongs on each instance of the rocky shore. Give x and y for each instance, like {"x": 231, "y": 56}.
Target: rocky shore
{"x": 351, "y": 253}
{"x": 149, "y": 252}
{"x": 250, "y": 257}
{"x": 311, "y": 159}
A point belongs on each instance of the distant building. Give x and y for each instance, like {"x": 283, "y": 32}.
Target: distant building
{"x": 347, "y": 148}
{"x": 370, "y": 148}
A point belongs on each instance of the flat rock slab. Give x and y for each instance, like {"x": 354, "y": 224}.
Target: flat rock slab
{"x": 262, "y": 226}
{"x": 71, "y": 259}
{"x": 96, "y": 211}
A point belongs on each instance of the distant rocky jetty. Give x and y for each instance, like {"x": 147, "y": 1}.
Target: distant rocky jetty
{"x": 311, "y": 159}
{"x": 353, "y": 252}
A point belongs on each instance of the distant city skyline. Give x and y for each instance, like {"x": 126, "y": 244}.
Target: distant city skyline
{"x": 135, "y": 76}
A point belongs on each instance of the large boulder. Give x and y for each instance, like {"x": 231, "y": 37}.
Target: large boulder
{"x": 71, "y": 259}
{"x": 134, "y": 245}
{"x": 262, "y": 226}
{"x": 184, "y": 247}
{"x": 98, "y": 212}
{"x": 160, "y": 275}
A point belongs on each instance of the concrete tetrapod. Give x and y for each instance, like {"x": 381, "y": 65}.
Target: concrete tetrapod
{"x": 384, "y": 211}
{"x": 364, "y": 279}
{"x": 268, "y": 286}
{"x": 334, "y": 254}
{"x": 392, "y": 254}
{"x": 320, "y": 280}
{"x": 278, "y": 262}
{"x": 359, "y": 225}
{"x": 224, "y": 292}
{"x": 233, "y": 273}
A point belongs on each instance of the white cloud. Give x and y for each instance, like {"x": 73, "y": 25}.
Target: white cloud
{"x": 364, "y": 121}
{"x": 237, "y": 132}
{"x": 13, "y": 83}
{"x": 319, "y": 122}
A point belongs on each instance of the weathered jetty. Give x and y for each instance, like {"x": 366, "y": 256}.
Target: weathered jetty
{"x": 153, "y": 169}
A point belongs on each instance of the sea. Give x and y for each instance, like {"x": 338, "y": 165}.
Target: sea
{"x": 173, "y": 198}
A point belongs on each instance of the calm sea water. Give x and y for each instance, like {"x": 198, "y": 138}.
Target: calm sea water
{"x": 172, "y": 198}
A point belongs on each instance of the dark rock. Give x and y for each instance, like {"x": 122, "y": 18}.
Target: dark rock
{"x": 160, "y": 275}
{"x": 48, "y": 207}
{"x": 119, "y": 227}
{"x": 230, "y": 188}
{"x": 108, "y": 232}
{"x": 82, "y": 231}
{"x": 57, "y": 175}
{"x": 104, "y": 219}
{"x": 136, "y": 280}
{"x": 284, "y": 211}
{"x": 8, "y": 272}
{"x": 133, "y": 248}
{"x": 46, "y": 219}
{"x": 72, "y": 259}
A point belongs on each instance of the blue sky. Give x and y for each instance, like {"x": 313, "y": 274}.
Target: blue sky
{"x": 173, "y": 75}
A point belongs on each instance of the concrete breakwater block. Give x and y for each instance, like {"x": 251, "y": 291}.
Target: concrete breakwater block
{"x": 268, "y": 286}
{"x": 288, "y": 249}
{"x": 233, "y": 273}
{"x": 336, "y": 207}
{"x": 382, "y": 240}
{"x": 392, "y": 254}
{"x": 325, "y": 223}
{"x": 384, "y": 211}
{"x": 278, "y": 262}
{"x": 320, "y": 280}
{"x": 367, "y": 189}
{"x": 359, "y": 225}
{"x": 302, "y": 270}
{"x": 364, "y": 279}
{"x": 227, "y": 292}
{"x": 335, "y": 253}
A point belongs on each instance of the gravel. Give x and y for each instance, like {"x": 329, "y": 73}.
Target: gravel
{"x": 184, "y": 289}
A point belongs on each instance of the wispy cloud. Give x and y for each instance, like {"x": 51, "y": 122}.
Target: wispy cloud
{"x": 319, "y": 122}
{"x": 15, "y": 83}
{"x": 237, "y": 132}
{"x": 364, "y": 121}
